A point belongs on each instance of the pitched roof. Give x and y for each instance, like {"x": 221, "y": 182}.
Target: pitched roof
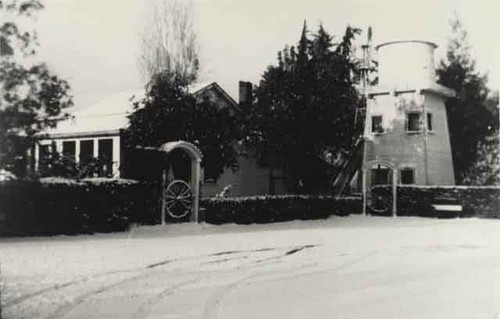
{"x": 110, "y": 114}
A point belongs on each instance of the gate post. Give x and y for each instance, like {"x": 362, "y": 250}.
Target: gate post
{"x": 163, "y": 188}
{"x": 394, "y": 192}
{"x": 363, "y": 187}
{"x": 195, "y": 183}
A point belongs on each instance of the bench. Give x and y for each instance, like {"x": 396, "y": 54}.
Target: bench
{"x": 446, "y": 207}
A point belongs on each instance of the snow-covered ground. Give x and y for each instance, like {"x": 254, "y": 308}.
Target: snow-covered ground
{"x": 343, "y": 267}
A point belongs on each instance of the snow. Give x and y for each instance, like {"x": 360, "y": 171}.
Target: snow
{"x": 109, "y": 114}
{"x": 342, "y": 267}
{"x": 106, "y": 115}
{"x": 92, "y": 180}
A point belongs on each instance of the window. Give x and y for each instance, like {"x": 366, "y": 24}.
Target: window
{"x": 377, "y": 124}
{"x": 86, "y": 151}
{"x": 105, "y": 153}
{"x": 413, "y": 122}
{"x": 407, "y": 176}
{"x": 68, "y": 150}
{"x": 381, "y": 176}
{"x": 429, "y": 122}
{"x": 44, "y": 156}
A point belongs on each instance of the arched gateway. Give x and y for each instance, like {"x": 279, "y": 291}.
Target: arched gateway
{"x": 179, "y": 192}
{"x": 381, "y": 172}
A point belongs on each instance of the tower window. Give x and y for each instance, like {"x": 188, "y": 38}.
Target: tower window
{"x": 377, "y": 124}
{"x": 429, "y": 122}
{"x": 413, "y": 122}
{"x": 407, "y": 176}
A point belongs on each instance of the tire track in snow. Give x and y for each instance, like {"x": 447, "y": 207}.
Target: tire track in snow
{"x": 340, "y": 267}
{"x": 145, "y": 309}
{"x": 57, "y": 287}
{"x": 63, "y": 310}
{"x": 212, "y": 305}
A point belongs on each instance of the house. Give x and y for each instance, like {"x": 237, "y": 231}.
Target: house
{"x": 96, "y": 131}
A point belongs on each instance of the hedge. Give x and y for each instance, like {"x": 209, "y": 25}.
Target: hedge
{"x": 268, "y": 209}
{"x": 52, "y": 206}
{"x": 62, "y": 206}
{"x": 476, "y": 201}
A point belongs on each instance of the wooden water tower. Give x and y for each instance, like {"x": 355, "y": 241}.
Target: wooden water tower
{"x": 406, "y": 130}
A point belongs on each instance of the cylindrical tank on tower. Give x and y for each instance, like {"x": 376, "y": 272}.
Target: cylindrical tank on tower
{"x": 406, "y": 64}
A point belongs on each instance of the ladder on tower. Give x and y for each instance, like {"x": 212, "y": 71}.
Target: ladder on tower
{"x": 354, "y": 161}
{"x": 348, "y": 168}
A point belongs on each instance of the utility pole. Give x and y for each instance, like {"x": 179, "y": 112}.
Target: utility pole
{"x": 365, "y": 71}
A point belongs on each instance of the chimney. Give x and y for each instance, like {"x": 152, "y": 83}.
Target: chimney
{"x": 246, "y": 94}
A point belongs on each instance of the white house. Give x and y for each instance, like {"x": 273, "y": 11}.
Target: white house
{"x": 96, "y": 132}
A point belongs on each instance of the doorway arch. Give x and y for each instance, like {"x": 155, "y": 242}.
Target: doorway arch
{"x": 195, "y": 156}
{"x": 393, "y": 168}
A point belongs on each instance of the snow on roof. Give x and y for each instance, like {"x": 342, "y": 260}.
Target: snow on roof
{"x": 121, "y": 102}
{"x": 196, "y": 87}
{"x": 109, "y": 114}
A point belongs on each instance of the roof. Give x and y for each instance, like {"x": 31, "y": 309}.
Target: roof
{"x": 110, "y": 114}
{"x": 433, "y": 88}
{"x": 429, "y": 43}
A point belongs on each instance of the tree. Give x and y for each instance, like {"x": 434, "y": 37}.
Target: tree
{"x": 472, "y": 114}
{"x": 169, "y": 61}
{"x": 169, "y": 113}
{"x": 486, "y": 168}
{"x": 168, "y": 41}
{"x": 305, "y": 107}
{"x": 31, "y": 97}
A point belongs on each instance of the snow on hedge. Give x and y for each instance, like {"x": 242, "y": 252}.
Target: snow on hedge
{"x": 93, "y": 180}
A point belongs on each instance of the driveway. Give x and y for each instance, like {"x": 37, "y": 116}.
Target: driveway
{"x": 343, "y": 267}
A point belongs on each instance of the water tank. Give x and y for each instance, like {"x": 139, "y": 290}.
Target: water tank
{"x": 406, "y": 64}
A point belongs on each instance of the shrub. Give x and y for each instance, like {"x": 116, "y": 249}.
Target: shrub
{"x": 66, "y": 167}
{"x": 64, "y": 206}
{"x": 266, "y": 209}
{"x": 478, "y": 201}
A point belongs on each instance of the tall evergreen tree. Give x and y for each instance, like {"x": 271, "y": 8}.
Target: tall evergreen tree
{"x": 305, "y": 108}
{"x": 472, "y": 115}
{"x": 303, "y": 48}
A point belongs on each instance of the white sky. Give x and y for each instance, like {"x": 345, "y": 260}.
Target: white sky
{"x": 94, "y": 43}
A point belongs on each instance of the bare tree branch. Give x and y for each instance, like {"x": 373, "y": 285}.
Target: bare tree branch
{"x": 168, "y": 41}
